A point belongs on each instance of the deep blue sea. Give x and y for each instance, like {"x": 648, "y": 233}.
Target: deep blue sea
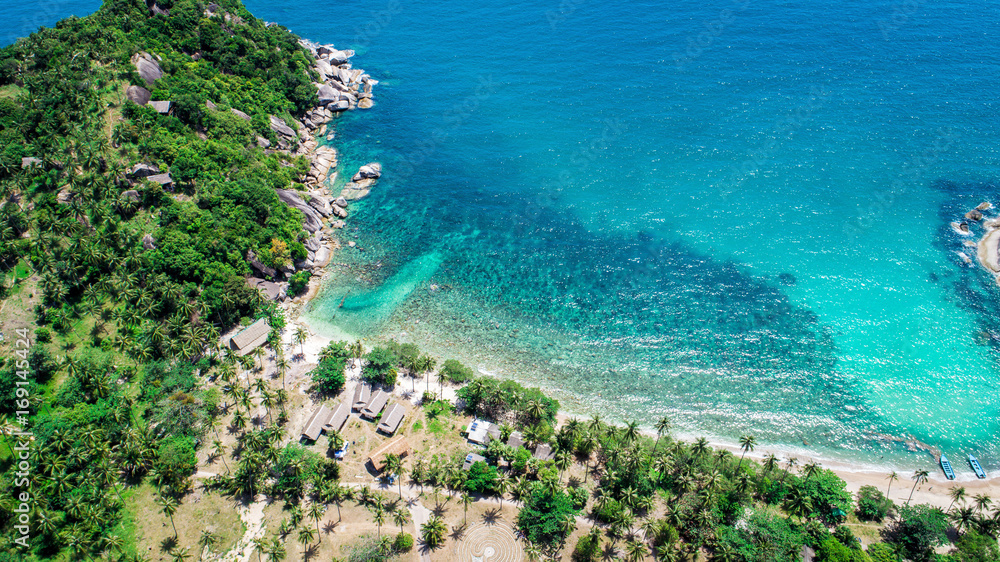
{"x": 733, "y": 213}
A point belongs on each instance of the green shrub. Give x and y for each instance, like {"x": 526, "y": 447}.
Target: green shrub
{"x": 481, "y": 478}
{"x": 43, "y": 335}
{"x": 455, "y": 372}
{"x": 544, "y": 510}
{"x": 380, "y": 367}
{"x": 329, "y": 374}
{"x": 403, "y": 542}
{"x": 872, "y": 504}
{"x": 917, "y": 531}
{"x": 298, "y": 282}
{"x": 588, "y": 548}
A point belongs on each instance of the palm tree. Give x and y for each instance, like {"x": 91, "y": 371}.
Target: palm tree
{"x": 433, "y": 532}
{"x": 300, "y": 339}
{"x": 316, "y": 510}
{"x": 394, "y": 465}
{"x": 401, "y": 517}
{"x": 378, "y": 515}
{"x": 810, "y": 469}
{"x": 700, "y": 447}
{"x": 357, "y": 350}
{"x": 747, "y": 443}
{"x": 892, "y": 478}
{"x": 563, "y": 460}
{"x": 631, "y": 433}
{"x": 982, "y": 501}
{"x": 180, "y": 555}
{"x": 957, "y": 494}
{"x": 276, "y": 550}
{"x": 207, "y": 538}
{"x": 789, "y": 465}
{"x": 501, "y": 486}
{"x": 306, "y": 536}
{"x": 798, "y": 503}
{"x": 169, "y": 506}
{"x": 919, "y": 477}
{"x": 466, "y": 501}
{"x": 963, "y": 518}
{"x": 635, "y": 550}
{"x": 662, "y": 427}
{"x": 338, "y": 494}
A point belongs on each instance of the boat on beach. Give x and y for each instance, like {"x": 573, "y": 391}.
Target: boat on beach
{"x": 946, "y": 467}
{"x": 974, "y": 463}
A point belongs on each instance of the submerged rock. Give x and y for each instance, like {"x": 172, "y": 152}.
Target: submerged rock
{"x": 984, "y": 206}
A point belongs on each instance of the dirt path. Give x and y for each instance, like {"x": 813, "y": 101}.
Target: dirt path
{"x": 253, "y": 518}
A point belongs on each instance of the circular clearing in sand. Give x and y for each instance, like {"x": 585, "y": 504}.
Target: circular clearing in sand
{"x": 489, "y": 543}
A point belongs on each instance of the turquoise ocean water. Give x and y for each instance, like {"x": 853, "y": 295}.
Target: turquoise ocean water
{"x": 732, "y": 213}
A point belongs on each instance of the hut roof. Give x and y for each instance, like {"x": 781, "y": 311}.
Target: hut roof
{"x": 544, "y": 452}
{"x": 163, "y": 107}
{"x": 391, "y": 419}
{"x": 162, "y": 179}
{"x": 515, "y": 440}
{"x": 471, "y": 459}
{"x": 397, "y": 446}
{"x": 316, "y": 422}
{"x": 479, "y": 431}
{"x": 255, "y": 335}
{"x": 338, "y": 417}
{"x": 362, "y": 394}
{"x": 375, "y": 405}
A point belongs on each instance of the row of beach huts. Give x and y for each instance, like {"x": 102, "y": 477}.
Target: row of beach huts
{"x": 369, "y": 404}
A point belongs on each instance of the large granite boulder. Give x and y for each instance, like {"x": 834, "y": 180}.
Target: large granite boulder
{"x": 239, "y": 114}
{"x": 338, "y": 58}
{"x": 279, "y": 126}
{"x": 324, "y": 68}
{"x": 371, "y": 170}
{"x": 138, "y": 95}
{"x": 313, "y": 221}
{"x": 142, "y": 170}
{"x": 259, "y": 266}
{"x": 327, "y": 95}
{"x": 147, "y": 67}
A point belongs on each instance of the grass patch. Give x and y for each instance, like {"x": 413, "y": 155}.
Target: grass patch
{"x": 11, "y": 91}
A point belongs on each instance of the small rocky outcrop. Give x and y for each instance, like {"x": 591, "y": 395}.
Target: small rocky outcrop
{"x": 279, "y": 126}
{"x": 148, "y": 242}
{"x": 30, "y": 162}
{"x": 313, "y": 221}
{"x": 142, "y": 170}
{"x": 259, "y": 266}
{"x": 372, "y": 170}
{"x": 239, "y": 114}
{"x": 974, "y": 215}
{"x": 147, "y": 67}
{"x": 138, "y": 95}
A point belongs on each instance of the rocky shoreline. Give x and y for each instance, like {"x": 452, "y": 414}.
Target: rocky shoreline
{"x": 341, "y": 88}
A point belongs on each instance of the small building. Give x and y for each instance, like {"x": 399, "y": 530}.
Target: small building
{"x": 362, "y": 395}
{"x": 479, "y": 431}
{"x": 251, "y": 338}
{"x": 397, "y": 446}
{"x": 515, "y": 440}
{"x": 374, "y": 406}
{"x": 544, "y": 452}
{"x": 317, "y": 421}
{"x": 338, "y": 418}
{"x": 391, "y": 419}
{"x": 471, "y": 459}
{"x": 162, "y": 107}
{"x": 163, "y": 179}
